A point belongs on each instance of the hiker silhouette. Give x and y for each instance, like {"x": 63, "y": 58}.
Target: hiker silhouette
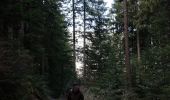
{"x": 75, "y": 93}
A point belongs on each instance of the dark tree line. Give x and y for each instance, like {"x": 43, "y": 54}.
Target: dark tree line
{"x": 36, "y": 56}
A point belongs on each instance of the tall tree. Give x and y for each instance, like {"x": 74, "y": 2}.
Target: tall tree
{"x": 74, "y": 40}
{"x": 127, "y": 58}
{"x": 84, "y": 44}
{"x": 96, "y": 38}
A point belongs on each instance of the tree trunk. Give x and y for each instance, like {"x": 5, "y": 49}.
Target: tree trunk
{"x": 21, "y": 30}
{"x": 74, "y": 42}
{"x": 127, "y": 58}
{"x": 84, "y": 59}
{"x": 138, "y": 47}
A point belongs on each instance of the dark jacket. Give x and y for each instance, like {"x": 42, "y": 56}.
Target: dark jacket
{"x": 75, "y": 96}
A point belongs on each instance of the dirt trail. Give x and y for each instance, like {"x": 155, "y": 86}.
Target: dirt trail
{"x": 87, "y": 94}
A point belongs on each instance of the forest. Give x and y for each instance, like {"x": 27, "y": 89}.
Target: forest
{"x": 117, "y": 53}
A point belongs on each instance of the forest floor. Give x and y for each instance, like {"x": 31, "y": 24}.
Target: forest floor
{"x": 87, "y": 94}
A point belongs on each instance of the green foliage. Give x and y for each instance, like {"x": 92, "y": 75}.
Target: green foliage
{"x": 37, "y": 59}
{"x": 151, "y": 74}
